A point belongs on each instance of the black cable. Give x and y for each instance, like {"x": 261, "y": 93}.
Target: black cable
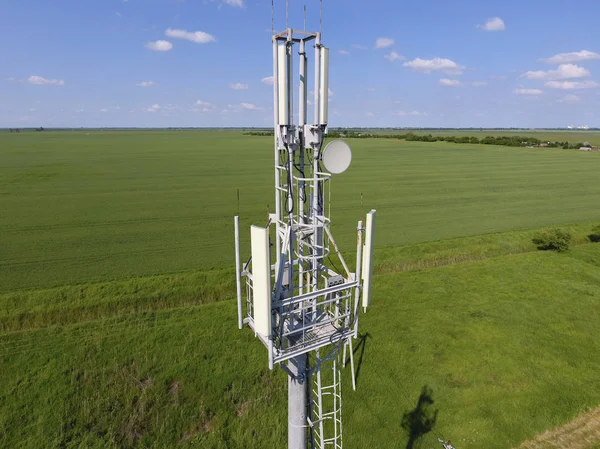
{"x": 332, "y": 264}
{"x": 303, "y": 190}
{"x": 289, "y": 197}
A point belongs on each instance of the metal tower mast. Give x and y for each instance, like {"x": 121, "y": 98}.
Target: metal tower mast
{"x": 302, "y": 310}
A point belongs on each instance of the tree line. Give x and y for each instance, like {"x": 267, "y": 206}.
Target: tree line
{"x": 509, "y": 141}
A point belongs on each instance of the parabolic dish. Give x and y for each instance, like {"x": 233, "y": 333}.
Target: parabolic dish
{"x": 337, "y": 156}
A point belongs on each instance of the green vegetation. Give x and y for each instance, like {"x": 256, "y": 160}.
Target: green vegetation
{"x": 81, "y": 207}
{"x": 117, "y": 328}
{"x": 545, "y": 135}
{"x": 498, "y": 342}
{"x": 553, "y": 239}
{"x": 595, "y": 235}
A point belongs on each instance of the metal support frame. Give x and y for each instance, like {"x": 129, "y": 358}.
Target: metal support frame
{"x": 314, "y": 308}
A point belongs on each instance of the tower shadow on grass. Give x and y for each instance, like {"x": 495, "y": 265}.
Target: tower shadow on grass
{"x": 360, "y": 350}
{"x": 421, "y": 420}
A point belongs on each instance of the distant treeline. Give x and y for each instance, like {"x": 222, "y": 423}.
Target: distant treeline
{"x": 260, "y": 133}
{"x": 509, "y": 141}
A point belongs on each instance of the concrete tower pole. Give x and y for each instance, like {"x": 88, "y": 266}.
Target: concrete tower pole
{"x": 297, "y": 402}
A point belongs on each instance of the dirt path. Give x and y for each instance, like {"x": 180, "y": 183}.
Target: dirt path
{"x": 581, "y": 433}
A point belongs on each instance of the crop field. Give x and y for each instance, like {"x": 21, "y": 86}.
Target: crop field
{"x": 79, "y": 207}
{"x": 118, "y": 328}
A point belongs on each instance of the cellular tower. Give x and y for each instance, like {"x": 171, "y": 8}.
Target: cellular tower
{"x": 304, "y": 312}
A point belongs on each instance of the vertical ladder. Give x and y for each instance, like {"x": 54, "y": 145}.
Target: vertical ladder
{"x": 325, "y": 415}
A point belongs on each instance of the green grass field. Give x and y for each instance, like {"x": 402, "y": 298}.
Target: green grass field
{"x": 117, "y": 327}
{"x": 112, "y": 205}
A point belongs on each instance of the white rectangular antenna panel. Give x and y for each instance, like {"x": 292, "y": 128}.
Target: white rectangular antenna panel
{"x": 367, "y": 268}
{"x": 324, "y": 86}
{"x": 261, "y": 280}
{"x": 282, "y": 83}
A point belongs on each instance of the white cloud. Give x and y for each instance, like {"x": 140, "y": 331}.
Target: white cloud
{"x": 235, "y": 3}
{"x": 383, "y": 42}
{"x": 153, "y": 108}
{"x": 203, "y": 106}
{"x": 437, "y": 64}
{"x": 370, "y": 114}
{"x": 104, "y": 110}
{"x": 344, "y": 52}
{"x": 529, "y": 91}
{"x": 498, "y": 77}
{"x": 570, "y": 99}
{"x": 479, "y": 83}
{"x": 159, "y": 45}
{"x": 28, "y": 118}
{"x": 564, "y": 71}
{"x": 449, "y": 83}
{"x": 34, "y": 79}
{"x": 146, "y": 84}
{"x": 330, "y": 92}
{"x": 359, "y": 46}
{"x": 569, "y": 85}
{"x": 250, "y": 107}
{"x": 563, "y": 58}
{"x": 238, "y": 86}
{"x": 371, "y": 89}
{"x": 493, "y": 24}
{"x": 199, "y": 37}
{"x": 117, "y": 108}
{"x": 80, "y": 110}
{"x": 393, "y": 56}
{"x": 414, "y": 113}
{"x": 268, "y": 80}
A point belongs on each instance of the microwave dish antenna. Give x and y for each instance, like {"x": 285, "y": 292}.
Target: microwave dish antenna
{"x": 337, "y": 156}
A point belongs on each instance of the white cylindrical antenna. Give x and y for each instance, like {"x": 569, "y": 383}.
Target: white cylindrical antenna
{"x": 272, "y": 17}
{"x": 261, "y": 280}
{"x": 303, "y": 88}
{"x": 275, "y": 83}
{"x": 367, "y": 273}
{"x": 317, "y": 77}
{"x": 357, "y": 274}
{"x": 290, "y": 88}
{"x": 238, "y": 276}
{"x": 282, "y": 83}
{"x": 324, "y": 86}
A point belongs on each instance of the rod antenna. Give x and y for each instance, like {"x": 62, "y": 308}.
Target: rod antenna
{"x": 304, "y": 17}
{"x": 321, "y": 19}
{"x": 287, "y": 10}
{"x": 273, "y": 17}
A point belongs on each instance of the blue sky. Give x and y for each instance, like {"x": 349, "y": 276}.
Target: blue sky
{"x": 425, "y": 63}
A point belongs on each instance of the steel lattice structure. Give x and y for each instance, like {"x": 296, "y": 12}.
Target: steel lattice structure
{"x": 303, "y": 311}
